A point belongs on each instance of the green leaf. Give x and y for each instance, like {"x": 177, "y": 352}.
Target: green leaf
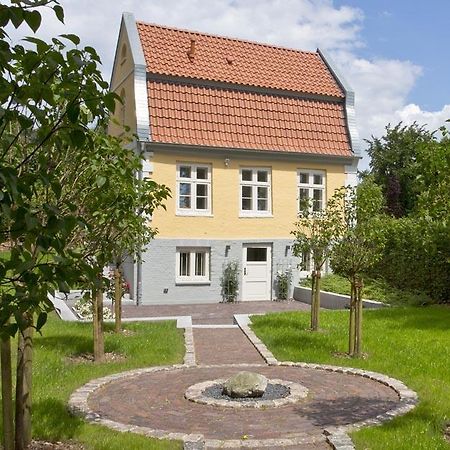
{"x": 72, "y": 38}
{"x": 100, "y": 180}
{"x": 59, "y": 12}
{"x": 25, "y": 122}
{"x": 16, "y": 15}
{"x": 42, "y": 319}
{"x": 77, "y": 137}
{"x": 73, "y": 113}
{"x": 4, "y": 16}
{"x": 33, "y": 19}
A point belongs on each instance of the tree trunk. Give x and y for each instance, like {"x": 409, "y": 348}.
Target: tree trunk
{"x": 351, "y": 326}
{"x": 359, "y": 313}
{"x": 23, "y": 388}
{"x": 7, "y": 403}
{"x": 117, "y": 300}
{"x": 97, "y": 322}
{"x": 315, "y": 304}
{"x": 313, "y": 299}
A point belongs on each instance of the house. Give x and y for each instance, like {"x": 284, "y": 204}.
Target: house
{"x": 239, "y": 131}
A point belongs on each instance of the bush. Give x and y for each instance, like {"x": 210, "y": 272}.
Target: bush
{"x": 283, "y": 282}
{"x": 230, "y": 282}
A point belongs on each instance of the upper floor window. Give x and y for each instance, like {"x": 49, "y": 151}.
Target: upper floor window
{"x": 255, "y": 192}
{"x": 311, "y": 190}
{"x": 193, "y": 189}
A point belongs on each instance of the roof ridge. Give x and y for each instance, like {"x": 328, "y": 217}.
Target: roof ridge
{"x": 226, "y": 38}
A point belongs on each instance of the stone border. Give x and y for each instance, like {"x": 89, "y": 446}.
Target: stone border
{"x": 195, "y": 394}
{"x": 189, "y": 355}
{"x": 338, "y": 437}
{"x": 78, "y": 405}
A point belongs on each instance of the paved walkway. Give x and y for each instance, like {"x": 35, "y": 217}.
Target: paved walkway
{"x": 213, "y": 313}
{"x": 157, "y": 400}
{"x": 154, "y": 400}
{"x": 151, "y": 401}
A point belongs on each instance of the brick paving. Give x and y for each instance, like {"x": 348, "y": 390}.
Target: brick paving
{"x": 213, "y": 313}
{"x": 224, "y": 346}
{"x": 155, "y": 399}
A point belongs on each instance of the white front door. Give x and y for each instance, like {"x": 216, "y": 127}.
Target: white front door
{"x": 256, "y": 273}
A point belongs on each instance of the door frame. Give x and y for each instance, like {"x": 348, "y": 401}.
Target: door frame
{"x": 269, "y": 261}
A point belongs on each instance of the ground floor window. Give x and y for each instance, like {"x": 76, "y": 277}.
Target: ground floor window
{"x": 192, "y": 265}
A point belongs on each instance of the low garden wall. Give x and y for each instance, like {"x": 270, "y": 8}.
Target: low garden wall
{"x": 330, "y": 300}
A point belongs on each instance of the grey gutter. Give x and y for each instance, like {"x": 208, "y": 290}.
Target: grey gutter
{"x": 349, "y": 101}
{"x": 226, "y": 152}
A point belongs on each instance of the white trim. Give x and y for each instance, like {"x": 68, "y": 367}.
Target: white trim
{"x": 254, "y": 184}
{"x": 245, "y": 296}
{"x": 193, "y": 181}
{"x": 140, "y": 77}
{"x": 311, "y": 186}
{"x": 192, "y": 278}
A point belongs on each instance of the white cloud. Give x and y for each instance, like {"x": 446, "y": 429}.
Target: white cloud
{"x": 382, "y": 86}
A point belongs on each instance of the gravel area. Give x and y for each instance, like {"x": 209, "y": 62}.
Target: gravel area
{"x": 272, "y": 392}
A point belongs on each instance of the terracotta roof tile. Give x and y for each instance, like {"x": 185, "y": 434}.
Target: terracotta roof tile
{"x": 166, "y": 53}
{"x": 218, "y": 117}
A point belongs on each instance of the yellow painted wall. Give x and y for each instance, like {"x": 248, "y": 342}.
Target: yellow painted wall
{"x": 226, "y": 222}
{"x": 123, "y": 80}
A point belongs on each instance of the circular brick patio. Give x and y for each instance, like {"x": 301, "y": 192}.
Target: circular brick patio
{"x": 156, "y": 400}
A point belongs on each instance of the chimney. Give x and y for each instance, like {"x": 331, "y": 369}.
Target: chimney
{"x": 191, "y": 52}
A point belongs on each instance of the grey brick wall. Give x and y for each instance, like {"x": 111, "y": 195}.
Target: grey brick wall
{"x": 158, "y": 268}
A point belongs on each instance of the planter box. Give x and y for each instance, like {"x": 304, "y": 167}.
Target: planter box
{"x": 330, "y": 300}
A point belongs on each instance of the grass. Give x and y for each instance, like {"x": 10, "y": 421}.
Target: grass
{"x": 373, "y": 289}
{"x": 55, "y": 378}
{"x": 411, "y": 344}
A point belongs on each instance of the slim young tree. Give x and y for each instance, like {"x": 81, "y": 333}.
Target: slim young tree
{"x": 115, "y": 206}
{"x": 315, "y": 233}
{"x": 360, "y": 247}
{"x": 44, "y": 89}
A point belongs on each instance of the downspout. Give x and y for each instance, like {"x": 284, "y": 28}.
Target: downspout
{"x": 141, "y": 148}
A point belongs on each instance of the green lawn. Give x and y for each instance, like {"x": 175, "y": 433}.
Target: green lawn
{"x": 55, "y": 378}
{"x": 373, "y": 289}
{"x": 411, "y": 344}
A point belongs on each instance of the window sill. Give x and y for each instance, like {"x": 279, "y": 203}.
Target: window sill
{"x": 195, "y": 283}
{"x": 193, "y": 214}
{"x": 255, "y": 216}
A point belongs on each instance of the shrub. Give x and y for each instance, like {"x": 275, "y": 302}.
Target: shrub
{"x": 230, "y": 282}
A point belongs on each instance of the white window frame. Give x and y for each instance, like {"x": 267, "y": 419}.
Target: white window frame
{"x": 193, "y": 210}
{"x": 191, "y": 278}
{"x": 310, "y": 186}
{"x": 254, "y": 184}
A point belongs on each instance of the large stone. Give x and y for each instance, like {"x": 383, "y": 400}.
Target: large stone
{"x": 245, "y": 384}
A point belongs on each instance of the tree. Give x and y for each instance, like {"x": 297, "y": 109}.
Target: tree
{"x": 115, "y": 206}
{"x": 416, "y": 255}
{"x": 393, "y": 165}
{"x": 359, "y": 248}
{"x": 49, "y": 95}
{"x": 315, "y": 234}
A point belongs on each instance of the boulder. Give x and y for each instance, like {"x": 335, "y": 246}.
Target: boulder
{"x": 245, "y": 384}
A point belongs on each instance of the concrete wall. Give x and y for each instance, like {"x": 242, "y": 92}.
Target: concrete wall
{"x": 158, "y": 268}
{"x": 330, "y": 300}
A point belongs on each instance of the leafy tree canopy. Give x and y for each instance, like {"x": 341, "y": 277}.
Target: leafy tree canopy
{"x": 394, "y": 165}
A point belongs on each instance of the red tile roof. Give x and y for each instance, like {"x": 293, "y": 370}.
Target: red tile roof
{"x": 234, "y": 61}
{"x": 214, "y": 117}
{"x": 235, "y": 94}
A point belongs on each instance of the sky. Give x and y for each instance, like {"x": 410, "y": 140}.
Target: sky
{"x": 395, "y": 54}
